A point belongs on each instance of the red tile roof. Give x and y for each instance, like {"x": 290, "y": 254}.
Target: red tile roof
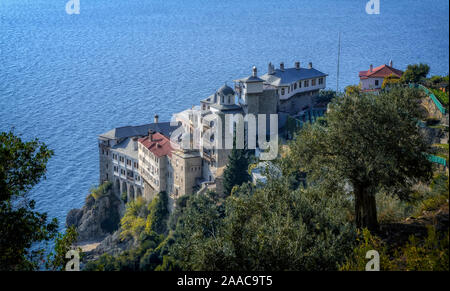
{"x": 380, "y": 72}
{"x": 158, "y": 144}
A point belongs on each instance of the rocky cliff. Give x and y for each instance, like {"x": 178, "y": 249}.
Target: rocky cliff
{"x": 99, "y": 217}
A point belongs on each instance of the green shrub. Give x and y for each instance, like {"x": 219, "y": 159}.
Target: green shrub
{"x": 366, "y": 242}
{"x": 97, "y": 192}
{"x": 158, "y": 214}
{"x": 391, "y": 208}
{"x": 442, "y": 96}
{"x": 435, "y": 198}
{"x": 428, "y": 254}
{"x": 134, "y": 220}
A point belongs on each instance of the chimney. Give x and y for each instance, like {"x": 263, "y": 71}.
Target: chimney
{"x": 271, "y": 69}
{"x": 297, "y": 65}
{"x": 150, "y": 134}
{"x": 310, "y": 65}
{"x": 135, "y": 143}
{"x": 371, "y": 68}
{"x": 254, "y": 72}
{"x": 156, "y": 119}
{"x": 282, "y": 66}
{"x": 390, "y": 63}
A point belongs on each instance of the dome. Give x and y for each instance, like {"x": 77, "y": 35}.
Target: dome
{"x": 225, "y": 90}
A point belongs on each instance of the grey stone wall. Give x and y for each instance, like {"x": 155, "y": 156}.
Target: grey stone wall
{"x": 299, "y": 101}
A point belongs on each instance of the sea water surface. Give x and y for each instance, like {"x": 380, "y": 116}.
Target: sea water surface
{"x": 67, "y": 78}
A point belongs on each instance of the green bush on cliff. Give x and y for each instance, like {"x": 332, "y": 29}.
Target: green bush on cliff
{"x": 159, "y": 212}
{"x": 103, "y": 189}
{"x": 134, "y": 220}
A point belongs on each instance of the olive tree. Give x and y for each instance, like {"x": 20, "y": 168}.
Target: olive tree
{"x": 369, "y": 143}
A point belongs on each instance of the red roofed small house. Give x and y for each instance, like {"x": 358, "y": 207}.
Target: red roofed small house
{"x": 372, "y": 79}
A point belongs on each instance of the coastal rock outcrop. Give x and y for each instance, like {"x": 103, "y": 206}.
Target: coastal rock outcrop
{"x": 113, "y": 245}
{"x": 99, "y": 217}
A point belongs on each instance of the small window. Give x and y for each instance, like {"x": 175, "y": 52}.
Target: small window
{"x": 300, "y": 84}
{"x": 313, "y": 82}
{"x": 307, "y": 83}
{"x": 295, "y": 86}
{"x": 282, "y": 91}
{"x": 376, "y": 82}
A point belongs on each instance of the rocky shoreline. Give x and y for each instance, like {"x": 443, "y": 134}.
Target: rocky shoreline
{"x": 98, "y": 223}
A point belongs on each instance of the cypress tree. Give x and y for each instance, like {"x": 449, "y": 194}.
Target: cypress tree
{"x": 236, "y": 170}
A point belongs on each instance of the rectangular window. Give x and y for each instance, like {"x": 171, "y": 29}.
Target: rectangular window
{"x": 295, "y": 86}
{"x": 376, "y": 82}
{"x": 313, "y": 82}
{"x": 306, "y": 83}
{"x": 300, "y": 84}
{"x": 282, "y": 91}
{"x": 320, "y": 81}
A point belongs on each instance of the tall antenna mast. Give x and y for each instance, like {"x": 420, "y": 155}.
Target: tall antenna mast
{"x": 338, "y": 60}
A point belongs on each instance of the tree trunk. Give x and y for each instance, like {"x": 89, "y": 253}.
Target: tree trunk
{"x": 358, "y": 208}
{"x": 365, "y": 209}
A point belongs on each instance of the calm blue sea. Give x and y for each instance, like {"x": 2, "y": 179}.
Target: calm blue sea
{"x": 67, "y": 78}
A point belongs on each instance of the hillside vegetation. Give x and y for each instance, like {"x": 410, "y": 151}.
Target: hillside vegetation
{"x": 368, "y": 150}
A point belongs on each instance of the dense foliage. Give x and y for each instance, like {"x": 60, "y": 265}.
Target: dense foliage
{"x": 269, "y": 228}
{"x": 415, "y": 73}
{"x": 56, "y": 261}
{"x": 23, "y": 165}
{"x": 24, "y": 232}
